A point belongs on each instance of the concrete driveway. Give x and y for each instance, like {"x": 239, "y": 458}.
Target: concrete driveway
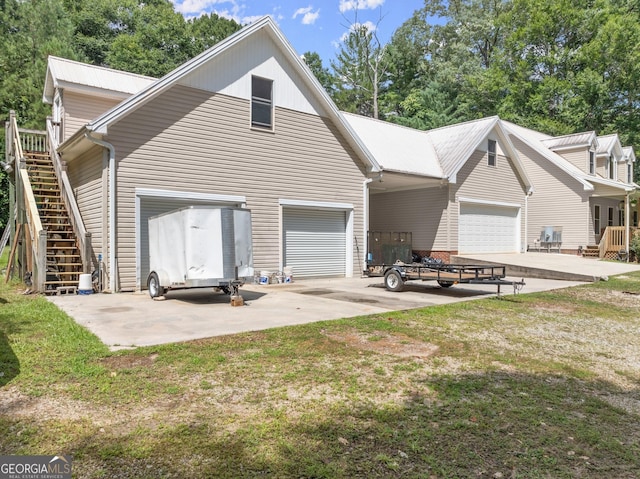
{"x": 133, "y": 319}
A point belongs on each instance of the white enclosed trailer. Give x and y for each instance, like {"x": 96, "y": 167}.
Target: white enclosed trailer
{"x": 200, "y": 247}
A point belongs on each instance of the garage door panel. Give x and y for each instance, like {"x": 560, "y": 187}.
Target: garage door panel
{"x": 488, "y": 229}
{"x": 315, "y": 242}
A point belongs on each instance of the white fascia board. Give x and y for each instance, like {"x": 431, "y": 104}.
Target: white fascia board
{"x": 315, "y": 204}
{"x": 513, "y": 155}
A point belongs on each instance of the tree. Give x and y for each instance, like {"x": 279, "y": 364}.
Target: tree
{"x": 322, "y": 74}
{"x": 30, "y": 31}
{"x": 360, "y": 69}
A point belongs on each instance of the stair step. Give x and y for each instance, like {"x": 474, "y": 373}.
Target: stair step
{"x": 60, "y": 265}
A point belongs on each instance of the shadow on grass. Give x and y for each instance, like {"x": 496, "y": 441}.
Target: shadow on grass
{"x": 493, "y": 424}
{"x": 9, "y": 363}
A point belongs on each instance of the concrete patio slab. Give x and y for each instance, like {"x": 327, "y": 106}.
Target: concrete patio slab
{"x": 133, "y": 319}
{"x": 551, "y": 265}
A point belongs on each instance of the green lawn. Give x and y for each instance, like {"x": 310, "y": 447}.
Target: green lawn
{"x": 531, "y": 386}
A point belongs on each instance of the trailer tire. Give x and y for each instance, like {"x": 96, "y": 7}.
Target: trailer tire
{"x": 445, "y": 284}
{"x": 155, "y": 290}
{"x": 393, "y": 280}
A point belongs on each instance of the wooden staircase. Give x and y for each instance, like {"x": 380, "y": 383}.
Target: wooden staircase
{"x": 64, "y": 263}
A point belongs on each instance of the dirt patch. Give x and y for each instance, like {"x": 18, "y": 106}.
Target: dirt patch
{"x": 396, "y": 344}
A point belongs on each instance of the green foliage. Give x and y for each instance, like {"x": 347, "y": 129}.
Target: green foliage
{"x": 146, "y": 37}
{"x": 634, "y": 245}
{"x": 323, "y": 75}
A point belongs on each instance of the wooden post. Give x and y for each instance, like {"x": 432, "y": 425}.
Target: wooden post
{"x": 86, "y": 257}
{"x": 40, "y": 269}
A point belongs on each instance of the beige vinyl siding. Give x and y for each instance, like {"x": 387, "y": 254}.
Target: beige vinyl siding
{"x": 85, "y": 175}
{"x": 191, "y": 140}
{"x": 578, "y": 156}
{"x": 421, "y": 212}
{"x": 557, "y": 200}
{"x": 478, "y": 181}
{"x": 80, "y": 109}
{"x": 622, "y": 172}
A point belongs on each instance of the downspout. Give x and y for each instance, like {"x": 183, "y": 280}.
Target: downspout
{"x": 365, "y": 222}
{"x": 112, "y": 208}
{"x": 525, "y": 243}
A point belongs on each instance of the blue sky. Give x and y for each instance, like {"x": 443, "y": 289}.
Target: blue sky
{"x": 311, "y": 25}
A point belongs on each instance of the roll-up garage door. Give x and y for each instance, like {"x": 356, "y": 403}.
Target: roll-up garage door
{"x": 151, "y": 206}
{"x": 488, "y": 229}
{"x": 315, "y": 242}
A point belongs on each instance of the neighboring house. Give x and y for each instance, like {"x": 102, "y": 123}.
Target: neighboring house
{"x": 582, "y": 183}
{"x": 458, "y": 189}
{"x": 244, "y": 124}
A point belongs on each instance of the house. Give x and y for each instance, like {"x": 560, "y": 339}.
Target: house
{"x": 583, "y": 183}
{"x": 245, "y": 124}
{"x": 458, "y": 189}
{"x": 490, "y": 186}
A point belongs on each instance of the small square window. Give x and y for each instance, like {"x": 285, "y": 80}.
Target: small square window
{"x": 261, "y": 103}
{"x": 491, "y": 153}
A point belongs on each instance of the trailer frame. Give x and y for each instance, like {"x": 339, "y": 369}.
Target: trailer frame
{"x": 445, "y": 274}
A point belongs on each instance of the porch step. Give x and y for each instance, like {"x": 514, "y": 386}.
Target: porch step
{"x": 591, "y": 251}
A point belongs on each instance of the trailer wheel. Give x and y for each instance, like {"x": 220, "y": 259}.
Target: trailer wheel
{"x": 153, "y": 283}
{"x": 393, "y": 281}
{"x": 445, "y": 284}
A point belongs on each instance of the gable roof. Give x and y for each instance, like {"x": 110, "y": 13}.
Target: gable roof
{"x": 438, "y": 153}
{"x": 536, "y": 141}
{"x": 69, "y": 74}
{"x": 397, "y": 148}
{"x": 609, "y": 145}
{"x": 100, "y": 125}
{"x": 629, "y": 154}
{"x": 584, "y": 139}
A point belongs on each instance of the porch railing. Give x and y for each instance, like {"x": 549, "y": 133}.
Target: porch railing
{"x": 82, "y": 236}
{"x": 35, "y": 235}
{"x": 613, "y": 241}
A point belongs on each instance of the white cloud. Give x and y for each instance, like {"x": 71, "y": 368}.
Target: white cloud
{"x": 371, "y": 27}
{"x": 229, "y": 9}
{"x": 348, "y": 5}
{"x": 309, "y": 17}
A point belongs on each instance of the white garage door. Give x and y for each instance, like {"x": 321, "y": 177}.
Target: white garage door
{"x": 151, "y": 206}
{"x": 315, "y": 242}
{"x": 488, "y": 229}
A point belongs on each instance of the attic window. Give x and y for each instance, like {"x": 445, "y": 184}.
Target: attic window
{"x": 629, "y": 173}
{"x": 612, "y": 168}
{"x": 491, "y": 153}
{"x": 261, "y": 103}
{"x": 592, "y": 162}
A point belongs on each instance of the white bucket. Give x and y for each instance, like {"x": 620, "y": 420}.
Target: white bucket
{"x": 85, "y": 286}
{"x": 288, "y": 274}
{"x": 265, "y": 276}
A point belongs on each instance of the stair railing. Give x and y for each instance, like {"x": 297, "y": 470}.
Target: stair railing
{"x": 613, "y": 240}
{"x": 35, "y": 235}
{"x": 66, "y": 192}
